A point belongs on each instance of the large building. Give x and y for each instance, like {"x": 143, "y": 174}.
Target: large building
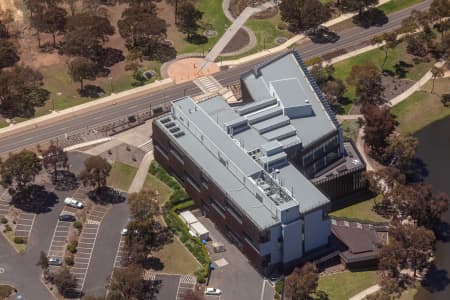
{"x": 249, "y": 166}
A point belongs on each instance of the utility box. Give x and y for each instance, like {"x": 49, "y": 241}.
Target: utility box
{"x": 218, "y": 247}
{"x": 200, "y": 231}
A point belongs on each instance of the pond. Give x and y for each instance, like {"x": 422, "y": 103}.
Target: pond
{"x": 434, "y": 151}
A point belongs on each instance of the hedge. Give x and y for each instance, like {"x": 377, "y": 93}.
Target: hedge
{"x": 178, "y": 195}
{"x": 20, "y": 240}
{"x": 193, "y": 244}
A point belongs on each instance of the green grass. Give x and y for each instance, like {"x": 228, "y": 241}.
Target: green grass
{"x": 5, "y": 291}
{"x": 3, "y": 123}
{"x": 177, "y": 259}
{"x": 213, "y": 18}
{"x": 376, "y": 56}
{"x": 346, "y": 284}
{"x": 350, "y": 129}
{"x": 121, "y": 176}
{"x": 362, "y": 211}
{"x": 20, "y": 248}
{"x": 422, "y": 108}
{"x": 396, "y": 5}
{"x": 153, "y": 183}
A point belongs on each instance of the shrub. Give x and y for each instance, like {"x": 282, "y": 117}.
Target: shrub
{"x": 334, "y": 54}
{"x": 72, "y": 248}
{"x": 78, "y": 225}
{"x": 282, "y": 26}
{"x": 7, "y": 228}
{"x": 279, "y": 286}
{"x": 20, "y": 240}
{"x": 313, "y": 61}
{"x": 69, "y": 260}
{"x": 3, "y": 220}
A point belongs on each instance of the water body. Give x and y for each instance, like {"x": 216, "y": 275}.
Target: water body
{"x": 434, "y": 151}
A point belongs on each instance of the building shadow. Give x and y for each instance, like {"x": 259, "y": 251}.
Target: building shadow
{"x": 435, "y": 279}
{"x": 35, "y": 199}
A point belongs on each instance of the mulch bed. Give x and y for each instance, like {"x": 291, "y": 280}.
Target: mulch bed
{"x": 239, "y": 41}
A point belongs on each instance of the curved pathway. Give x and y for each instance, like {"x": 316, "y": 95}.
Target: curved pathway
{"x": 251, "y": 44}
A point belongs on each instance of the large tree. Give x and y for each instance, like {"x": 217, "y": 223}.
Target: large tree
{"x": 417, "y": 45}
{"x": 357, "y": 5}
{"x": 439, "y": 11}
{"x": 188, "y": 17}
{"x": 8, "y": 54}
{"x": 302, "y": 283}
{"x": 304, "y": 14}
{"x": 21, "y": 91}
{"x": 144, "y": 205}
{"x": 81, "y": 69}
{"x": 54, "y": 158}
{"x": 127, "y": 283}
{"x": 390, "y": 42}
{"x": 53, "y": 21}
{"x": 436, "y": 72}
{"x": 379, "y": 124}
{"x": 65, "y": 281}
{"x": 367, "y": 80}
{"x": 400, "y": 151}
{"x": 19, "y": 170}
{"x": 96, "y": 171}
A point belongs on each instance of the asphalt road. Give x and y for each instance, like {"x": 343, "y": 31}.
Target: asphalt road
{"x": 348, "y": 38}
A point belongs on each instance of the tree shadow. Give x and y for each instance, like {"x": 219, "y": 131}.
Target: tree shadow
{"x": 110, "y": 56}
{"x": 371, "y": 17}
{"x": 151, "y": 288}
{"x": 435, "y": 279}
{"x": 106, "y": 195}
{"x": 65, "y": 181}
{"x": 442, "y": 231}
{"x": 34, "y": 199}
{"x": 401, "y": 68}
{"x": 153, "y": 263}
{"x": 92, "y": 91}
{"x": 418, "y": 171}
{"x": 165, "y": 52}
{"x": 197, "y": 39}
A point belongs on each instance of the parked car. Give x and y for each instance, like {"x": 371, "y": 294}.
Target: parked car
{"x": 54, "y": 261}
{"x": 67, "y": 218}
{"x": 124, "y": 231}
{"x": 72, "y": 202}
{"x": 213, "y": 291}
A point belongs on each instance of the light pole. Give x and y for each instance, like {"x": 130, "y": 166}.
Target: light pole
{"x": 111, "y": 84}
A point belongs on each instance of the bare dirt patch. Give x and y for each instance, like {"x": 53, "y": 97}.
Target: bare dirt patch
{"x": 239, "y": 41}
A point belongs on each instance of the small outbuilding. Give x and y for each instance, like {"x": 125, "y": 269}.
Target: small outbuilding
{"x": 188, "y": 218}
{"x": 200, "y": 231}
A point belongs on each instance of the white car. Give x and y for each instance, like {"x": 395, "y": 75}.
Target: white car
{"x": 72, "y": 202}
{"x": 213, "y": 291}
{"x": 124, "y": 231}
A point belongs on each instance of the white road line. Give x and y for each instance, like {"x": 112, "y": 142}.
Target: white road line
{"x": 262, "y": 290}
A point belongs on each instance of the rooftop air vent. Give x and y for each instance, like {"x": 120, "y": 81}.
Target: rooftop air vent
{"x": 179, "y": 134}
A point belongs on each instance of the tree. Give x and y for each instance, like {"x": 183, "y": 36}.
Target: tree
{"x": 367, "y": 80}
{"x": 417, "y": 244}
{"x": 54, "y": 158}
{"x": 391, "y": 258}
{"x": 43, "y": 261}
{"x": 302, "y": 283}
{"x": 384, "y": 180}
{"x": 439, "y": 11}
{"x": 65, "y": 281}
{"x": 20, "y": 169}
{"x": 334, "y": 91}
{"x": 72, "y": 6}
{"x": 445, "y": 99}
{"x": 379, "y": 124}
{"x": 8, "y": 54}
{"x": 188, "y": 18}
{"x": 127, "y": 283}
{"x": 4, "y": 33}
{"x": 401, "y": 150}
{"x": 85, "y": 35}
{"x": 53, "y": 21}
{"x": 390, "y": 42}
{"x": 143, "y": 205}
{"x": 20, "y": 92}
{"x": 304, "y": 14}
{"x": 419, "y": 202}
{"x": 359, "y": 5}
{"x": 141, "y": 27}
{"x": 81, "y": 68}
{"x": 96, "y": 172}
{"x": 436, "y": 72}
{"x": 417, "y": 20}
{"x": 322, "y": 74}
{"x": 417, "y": 46}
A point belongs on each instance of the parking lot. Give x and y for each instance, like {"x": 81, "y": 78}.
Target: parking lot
{"x": 86, "y": 244}
{"x": 59, "y": 238}
{"x": 120, "y": 253}
{"x": 233, "y": 273}
{"x": 172, "y": 287}
{"x": 24, "y": 224}
{"x": 4, "y": 202}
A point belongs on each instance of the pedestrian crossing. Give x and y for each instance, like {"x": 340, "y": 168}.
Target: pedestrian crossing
{"x": 208, "y": 84}
{"x": 147, "y": 146}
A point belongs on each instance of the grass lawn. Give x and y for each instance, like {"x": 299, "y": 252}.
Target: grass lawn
{"x": 350, "y": 129}
{"x": 362, "y": 211}
{"x": 396, "y": 5}
{"x": 5, "y": 291}
{"x": 213, "y": 18}
{"x": 3, "y": 123}
{"x": 177, "y": 259}
{"x": 346, "y": 284}
{"x": 422, "y": 108}
{"x": 413, "y": 71}
{"x": 20, "y": 248}
{"x": 153, "y": 183}
{"x": 121, "y": 176}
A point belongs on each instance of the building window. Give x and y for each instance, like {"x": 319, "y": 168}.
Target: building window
{"x": 217, "y": 206}
{"x": 204, "y": 181}
{"x": 233, "y": 211}
{"x": 251, "y": 243}
{"x": 266, "y": 260}
{"x": 176, "y": 153}
{"x": 192, "y": 181}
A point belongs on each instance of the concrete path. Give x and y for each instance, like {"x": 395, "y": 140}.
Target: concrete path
{"x": 366, "y": 292}
{"x": 232, "y": 30}
{"x": 141, "y": 174}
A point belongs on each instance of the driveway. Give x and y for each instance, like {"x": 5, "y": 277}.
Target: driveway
{"x": 233, "y": 273}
